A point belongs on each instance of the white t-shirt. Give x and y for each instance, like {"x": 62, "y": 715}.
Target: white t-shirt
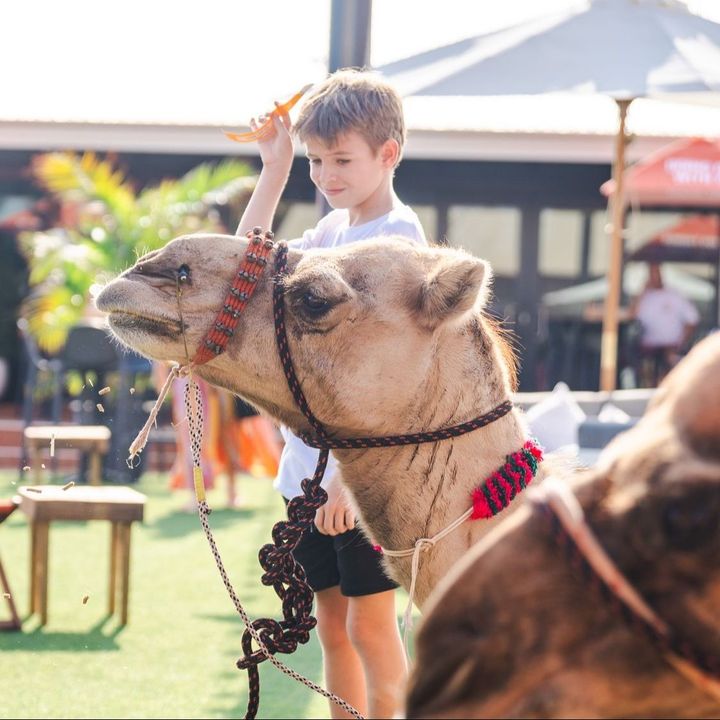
{"x": 298, "y": 460}
{"x": 663, "y": 314}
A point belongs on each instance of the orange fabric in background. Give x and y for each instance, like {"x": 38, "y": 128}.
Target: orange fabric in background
{"x": 248, "y": 444}
{"x": 259, "y": 446}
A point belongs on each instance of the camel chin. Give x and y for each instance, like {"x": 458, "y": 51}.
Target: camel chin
{"x": 140, "y": 334}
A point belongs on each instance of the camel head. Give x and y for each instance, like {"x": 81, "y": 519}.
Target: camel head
{"x": 506, "y": 648}
{"x": 374, "y": 328}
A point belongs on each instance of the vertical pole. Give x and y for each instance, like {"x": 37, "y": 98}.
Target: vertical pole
{"x": 349, "y": 34}
{"x": 41, "y": 588}
{"x": 609, "y": 347}
{"x": 34, "y": 604}
{"x": 350, "y": 30}
{"x": 527, "y": 292}
{"x": 124, "y": 568}
{"x": 114, "y": 553}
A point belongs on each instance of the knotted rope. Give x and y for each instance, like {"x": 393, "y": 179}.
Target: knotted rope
{"x": 281, "y": 571}
{"x": 140, "y": 441}
{"x": 421, "y": 545}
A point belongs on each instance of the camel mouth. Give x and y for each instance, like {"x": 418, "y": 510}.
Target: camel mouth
{"x": 128, "y": 322}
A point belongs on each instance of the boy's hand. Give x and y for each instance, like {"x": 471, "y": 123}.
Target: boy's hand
{"x": 336, "y": 515}
{"x": 276, "y": 151}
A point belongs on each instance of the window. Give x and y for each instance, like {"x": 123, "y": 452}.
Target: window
{"x": 561, "y": 239}
{"x": 640, "y": 227}
{"x": 491, "y": 233}
{"x": 428, "y": 219}
{"x": 599, "y": 254}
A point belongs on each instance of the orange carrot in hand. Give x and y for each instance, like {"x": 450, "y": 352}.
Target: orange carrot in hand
{"x": 267, "y": 129}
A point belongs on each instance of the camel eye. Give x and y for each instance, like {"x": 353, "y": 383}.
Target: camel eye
{"x": 183, "y": 274}
{"x": 314, "y": 304}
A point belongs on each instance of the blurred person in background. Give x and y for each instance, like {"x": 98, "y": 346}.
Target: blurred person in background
{"x": 667, "y": 322}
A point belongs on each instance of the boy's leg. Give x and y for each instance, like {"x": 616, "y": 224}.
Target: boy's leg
{"x": 344, "y": 675}
{"x": 372, "y": 622}
{"x": 373, "y": 629}
{"x": 341, "y": 664}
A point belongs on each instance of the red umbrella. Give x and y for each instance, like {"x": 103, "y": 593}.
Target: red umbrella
{"x": 694, "y": 239}
{"x": 685, "y": 173}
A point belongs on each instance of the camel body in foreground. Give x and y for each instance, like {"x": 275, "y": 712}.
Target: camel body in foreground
{"x": 512, "y": 631}
{"x": 386, "y": 338}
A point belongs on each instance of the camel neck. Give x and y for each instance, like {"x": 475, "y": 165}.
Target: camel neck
{"x": 444, "y": 475}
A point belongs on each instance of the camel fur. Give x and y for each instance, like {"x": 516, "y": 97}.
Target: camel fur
{"x": 400, "y": 344}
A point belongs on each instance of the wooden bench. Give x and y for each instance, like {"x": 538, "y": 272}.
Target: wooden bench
{"x": 92, "y": 439}
{"x": 7, "y": 507}
{"x": 121, "y": 506}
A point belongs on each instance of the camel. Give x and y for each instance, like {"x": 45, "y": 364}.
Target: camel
{"x": 386, "y": 338}
{"x": 512, "y": 631}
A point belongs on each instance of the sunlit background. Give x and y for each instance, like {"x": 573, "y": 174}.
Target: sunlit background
{"x": 216, "y": 62}
{"x": 512, "y": 178}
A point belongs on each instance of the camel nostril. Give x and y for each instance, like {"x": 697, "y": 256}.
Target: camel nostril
{"x": 183, "y": 274}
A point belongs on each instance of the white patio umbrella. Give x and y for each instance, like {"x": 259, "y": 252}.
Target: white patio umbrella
{"x": 624, "y": 49}
{"x": 572, "y": 301}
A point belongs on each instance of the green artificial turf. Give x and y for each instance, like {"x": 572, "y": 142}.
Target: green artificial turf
{"x": 176, "y": 656}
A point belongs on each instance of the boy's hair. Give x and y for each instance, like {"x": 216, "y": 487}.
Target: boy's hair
{"x": 356, "y": 100}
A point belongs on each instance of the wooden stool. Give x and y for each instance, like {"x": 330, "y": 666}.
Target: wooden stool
{"x": 6, "y": 509}
{"x": 121, "y": 506}
{"x": 93, "y": 439}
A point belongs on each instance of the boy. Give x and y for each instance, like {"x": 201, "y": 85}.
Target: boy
{"x": 353, "y": 129}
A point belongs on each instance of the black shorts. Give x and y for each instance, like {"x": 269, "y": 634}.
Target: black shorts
{"x": 347, "y": 560}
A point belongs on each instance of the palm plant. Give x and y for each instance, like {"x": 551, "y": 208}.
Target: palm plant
{"x": 109, "y": 227}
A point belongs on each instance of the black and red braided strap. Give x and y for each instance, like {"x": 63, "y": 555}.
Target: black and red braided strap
{"x": 282, "y": 571}
{"x": 284, "y": 348}
{"x": 500, "y": 489}
{"x": 411, "y": 438}
{"x": 288, "y": 578}
{"x": 242, "y": 288}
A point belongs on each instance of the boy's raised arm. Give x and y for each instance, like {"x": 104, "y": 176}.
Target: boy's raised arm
{"x": 276, "y": 153}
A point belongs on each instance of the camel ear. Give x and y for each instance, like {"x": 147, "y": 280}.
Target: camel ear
{"x": 452, "y": 288}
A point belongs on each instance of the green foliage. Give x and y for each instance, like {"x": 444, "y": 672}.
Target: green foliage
{"x": 106, "y": 225}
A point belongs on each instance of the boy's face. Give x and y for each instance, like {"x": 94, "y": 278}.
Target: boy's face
{"x": 349, "y": 172}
